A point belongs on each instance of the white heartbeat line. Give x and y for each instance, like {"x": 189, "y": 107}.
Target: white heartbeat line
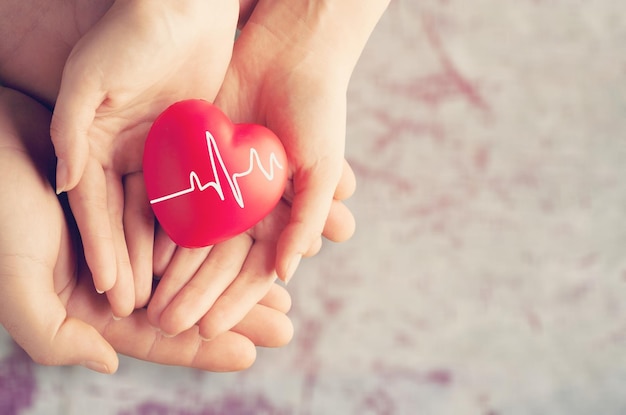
{"x": 214, "y": 152}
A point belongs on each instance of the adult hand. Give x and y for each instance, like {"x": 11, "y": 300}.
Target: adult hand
{"x": 139, "y": 58}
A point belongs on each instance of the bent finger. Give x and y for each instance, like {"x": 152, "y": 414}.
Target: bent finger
{"x": 266, "y": 327}
{"x": 122, "y": 295}
{"x": 133, "y": 336}
{"x": 88, "y": 201}
{"x": 139, "y": 232}
{"x": 74, "y": 112}
{"x": 252, "y": 284}
{"x": 183, "y": 266}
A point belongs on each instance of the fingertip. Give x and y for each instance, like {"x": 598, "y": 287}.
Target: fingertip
{"x": 103, "y": 280}
{"x": 213, "y": 324}
{"x": 340, "y": 224}
{"x": 142, "y": 296}
{"x": 70, "y": 165}
{"x": 122, "y": 296}
{"x": 92, "y": 351}
{"x": 292, "y": 266}
{"x": 347, "y": 183}
{"x": 292, "y": 245}
{"x": 153, "y": 316}
{"x": 174, "y": 320}
{"x": 120, "y": 311}
{"x": 286, "y": 334}
{"x": 277, "y": 328}
{"x": 61, "y": 176}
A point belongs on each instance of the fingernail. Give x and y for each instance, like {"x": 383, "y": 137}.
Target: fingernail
{"x": 167, "y": 335}
{"x": 116, "y": 318}
{"x": 95, "y": 366}
{"x": 62, "y": 173}
{"x": 99, "y": 291}
{"x": 293, "y": 265}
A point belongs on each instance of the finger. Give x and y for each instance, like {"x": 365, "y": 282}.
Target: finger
{"x": 183, "y": 266}
{"x": 347, "y": 183}
{"x": 217, "y": 272}
{"x": 164, "y": 250}
{"x": 122, "y": 295}
{"x": 133, "y": 336}
{"x": 277, "y": 298}
{"x": 314, "y": 190}
{"x": 88, "y": 201}
{"x": 42, "y": 327}
{"x": 266, "y": 327}
{"x": 74, "y": 112}
{"x": 340, "y": 224}
{"x": 252, "y": 284}
{"x": 139, "y": 231}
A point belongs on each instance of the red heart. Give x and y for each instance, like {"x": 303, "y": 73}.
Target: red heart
{"x": 209, "y": 179}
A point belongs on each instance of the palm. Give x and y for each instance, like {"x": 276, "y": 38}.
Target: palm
{"x": 272, "y": 80}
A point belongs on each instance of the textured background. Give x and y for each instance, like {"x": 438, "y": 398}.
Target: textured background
{"x": 487, "y": 275}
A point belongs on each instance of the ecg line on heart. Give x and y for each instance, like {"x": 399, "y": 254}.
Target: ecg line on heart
{"x": 233, "y": 181}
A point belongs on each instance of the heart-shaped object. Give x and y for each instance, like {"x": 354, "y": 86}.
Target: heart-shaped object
{"x": 209, "y": 179}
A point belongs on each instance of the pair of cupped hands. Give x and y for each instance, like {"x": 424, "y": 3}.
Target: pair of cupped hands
{"x": 82, "y": 301}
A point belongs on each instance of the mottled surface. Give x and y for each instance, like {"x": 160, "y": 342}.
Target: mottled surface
{"x": 488, "y": 272}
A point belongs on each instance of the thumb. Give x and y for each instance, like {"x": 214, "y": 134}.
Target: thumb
{"x": 313, "y": 194}
{"x": 37, "y": 320}
{"x": 74, "y": 343}
{"x": 72, "y": 118}
{"x": 67, "y": 342}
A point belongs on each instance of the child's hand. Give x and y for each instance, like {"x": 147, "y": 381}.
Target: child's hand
{"x": 216, "y": 287}
{"x": 139, "y": 58}
{"x": 47, "y": 299}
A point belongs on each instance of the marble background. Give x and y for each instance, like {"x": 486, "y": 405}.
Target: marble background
{"x": 488, "y": 272}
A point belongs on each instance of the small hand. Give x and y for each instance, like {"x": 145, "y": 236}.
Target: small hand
{"x": 215, "y": 287}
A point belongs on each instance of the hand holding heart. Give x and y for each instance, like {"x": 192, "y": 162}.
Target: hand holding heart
{"x": 138, "y": 59}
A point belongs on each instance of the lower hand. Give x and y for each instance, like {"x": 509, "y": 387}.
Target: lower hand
{"x": 47, "y": 299}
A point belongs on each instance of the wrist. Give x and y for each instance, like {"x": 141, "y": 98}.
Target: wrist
{"x": 327, "y": 32}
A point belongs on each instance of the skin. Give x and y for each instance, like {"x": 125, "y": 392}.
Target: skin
{"x": 49, "y": 304}
{"x": 104, "y": 106}
{"x": 280, "y": 74}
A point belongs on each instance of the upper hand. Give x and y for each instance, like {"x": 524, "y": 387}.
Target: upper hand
{"x": 139, "y": 58}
